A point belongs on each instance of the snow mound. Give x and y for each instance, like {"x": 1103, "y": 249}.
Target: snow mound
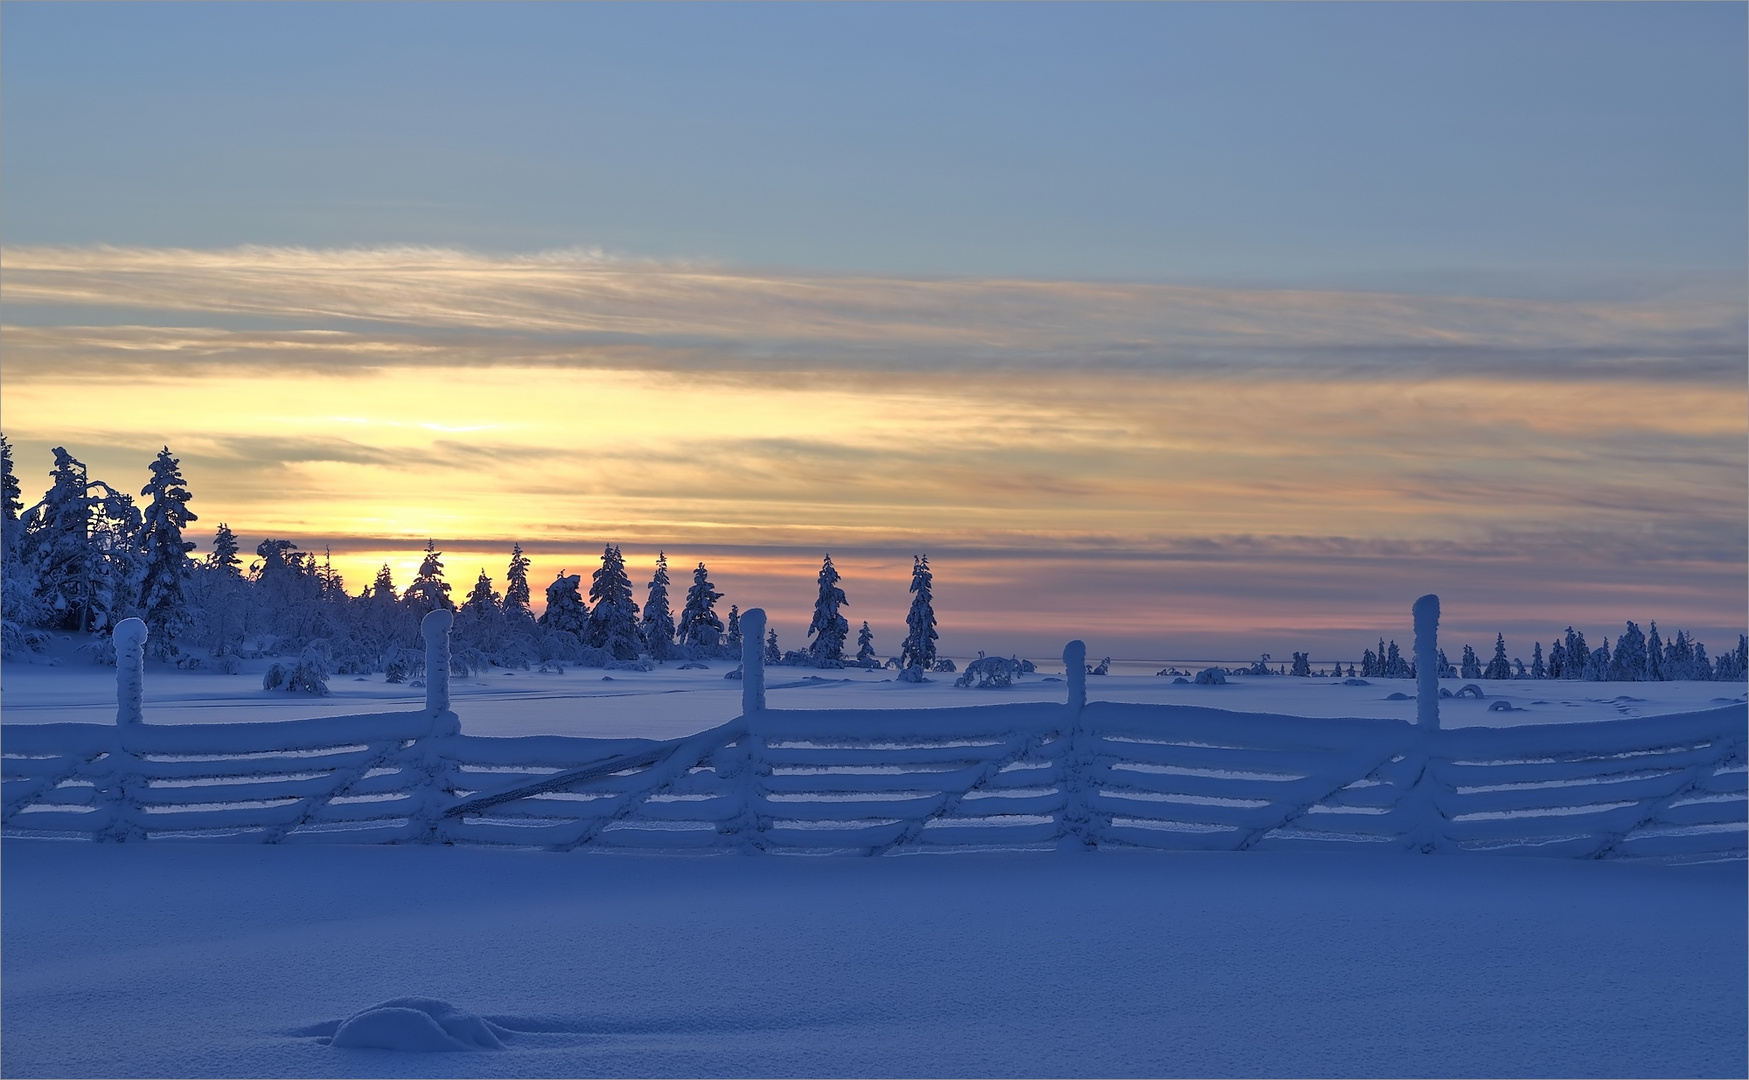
{"x": 418, "y": 1025}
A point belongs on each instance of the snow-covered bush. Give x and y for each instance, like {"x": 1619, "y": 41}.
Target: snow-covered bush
{"x": 308, "y": 676}
{"x": 1212, "y": 676}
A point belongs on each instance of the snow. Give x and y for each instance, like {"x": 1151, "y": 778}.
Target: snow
{"x": 175, "y": 958}
{"x": 204, "y": 960}
{"x": 670, "y": 702}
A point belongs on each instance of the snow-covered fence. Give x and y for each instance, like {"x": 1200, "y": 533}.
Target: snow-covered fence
{"x": 1021, "y": 775}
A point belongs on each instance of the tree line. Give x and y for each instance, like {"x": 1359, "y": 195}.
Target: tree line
{"x": 88, "y": 555}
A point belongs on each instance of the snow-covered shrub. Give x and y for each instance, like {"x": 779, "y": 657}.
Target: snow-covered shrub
{"x": 987, "y": 672}
{"x": 16, "y": 640}
{"x": 1212, "y": 676}
{"x": 913, "y": 674}
{"x": 308, "y": 676}
{"x": 101, "y": 649}
{"x": 944, "y": 666}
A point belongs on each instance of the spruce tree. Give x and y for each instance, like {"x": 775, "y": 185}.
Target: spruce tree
{"x": 733, "y": 640}
{"x": 10, "y": 502}
{"x": 565, "y": 607}
{"x": 1499, "y": 667}
{"x": 658, "y": 626}
{"x": 164, "y": 591}
{"x": 1598, "y": 665}
{"x": 1537, "y": 669}
{"x": 918, "y": 649}
{"x": 516, "y": 594}
{"x": 773, "y": 654}
{"x": 383, "y": 588}
{"x": 699, "y": 625}
{"x": 865, "y": 653}
{"x": 224, "y": 554}
{"x": 613, "y": 620}
{"x": 1654, "y": 655}
{"x": 1629, "y": 662}
{"x": 483, "y": 600}
{"x": 81, "y": 544}
{"x": 1470, "y": 667}
{"x": 828, "y": 627}
{"x": 1578, "y": 654}
{"x": 429, "y": 591}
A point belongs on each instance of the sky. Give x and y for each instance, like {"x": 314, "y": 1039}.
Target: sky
{"x": 1196, "y": 331}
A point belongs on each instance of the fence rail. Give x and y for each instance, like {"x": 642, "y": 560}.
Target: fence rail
{"x": 1020, "y": 775}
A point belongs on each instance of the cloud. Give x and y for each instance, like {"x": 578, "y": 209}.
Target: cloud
{"x": 369, "y": 308}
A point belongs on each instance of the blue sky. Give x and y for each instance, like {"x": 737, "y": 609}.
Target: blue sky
{"x": 1517, "y": 149}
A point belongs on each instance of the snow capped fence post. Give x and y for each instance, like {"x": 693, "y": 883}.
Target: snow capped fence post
{"x": 1427, "y": 662}
{"x": 435, "y": 626}
{"x": 752, "y": 661}
{"x": 1075, "y": 670}
{"x": 130, "y": 672}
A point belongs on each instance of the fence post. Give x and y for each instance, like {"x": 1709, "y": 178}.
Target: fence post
{"x": 752, "y": 661}
{"x": 1075, "y": 669}
{"x": 435, "y": 626}
{"x": 130, "y": 672}
{"x": 1427, "y": 662}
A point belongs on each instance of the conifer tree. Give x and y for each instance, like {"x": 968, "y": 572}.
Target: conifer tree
{"x": 773, "y": 654}
{"x": 1446, "y": 671}
{"x": 918, "y": 649}
{"x": 1598, "y": 663}
{"x": 1629, "y": 662}
{"x": 1578, "y": 655}
{"x": 699, "y": 624}
{"x": 1654, "y": 655}
{"x": 565, "y": 607}
{"x": 1537, "y": 669}
{"x": 1470, "y": 667}
{"x": 613, "y": 619}
{"x": 516, "y": 594}
{"x": 658, "y": 626}
{"x": 828, "y": 627}
{"x": 865, "y": 653}
{"x": 733, "y": 639}
{"x": 383, "y": 588}
{"x": 164, "y": 591}
{"x": 10, "y": 502}
{"x": 80, "y": 544}
{"x": 1499, "y": 667}
{"x": 483, "y": 600}
{"x": 223, "y": 557}
{"x": 429, "y": 591}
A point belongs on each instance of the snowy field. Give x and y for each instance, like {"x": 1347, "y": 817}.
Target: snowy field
{"x": 184, "y": 959}
{"x": 668, "y": 703}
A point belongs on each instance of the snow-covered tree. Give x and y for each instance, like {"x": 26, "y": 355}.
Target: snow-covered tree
{"x": 516, "y": 594}
{"x": 1629, "y": 662}
{"x": 164, "y": 591}
{"x": 1557, "y": 660}
{"x": 773, "y": 654}
{"x": 483, "y": 599}
{"x": 828, "y": 627}
{"x": 613, "y": 620}
{"x": 1396, "y": 667}
{"x": 658, "y": 625}
{"x": 1499, "y": 667}
{"x": 1654, "y": 655}
{"x": 428, "y": 591}
{"x": 1578, "y": 655}
{"x": 1470, "y": 667}
{"x": 1597, "y": 664}
{"x": 80, "y": 545}
{"x": 918, "y": 649}
{"x": 223, "y": 557}
{"x": 733, "y": 639}
{"x": 17, "y": 585}
{"x": 565, "y": 607}
{"x": 1302, "y": 665}
{"x": 1537, "y": 669}
{"x": 865, "y": 653}
{"x": 10, "y": 502}
{"x": 699, "y": 624}
{"x": 1369, "y": 663}
{"x": 1446, "y": 670}
{"x": 383, "y": 588}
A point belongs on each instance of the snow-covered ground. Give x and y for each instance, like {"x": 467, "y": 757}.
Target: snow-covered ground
{"x": 174, "y": 958}
{"x": 187, "y": 960}
{"x": 668, "y": 703}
